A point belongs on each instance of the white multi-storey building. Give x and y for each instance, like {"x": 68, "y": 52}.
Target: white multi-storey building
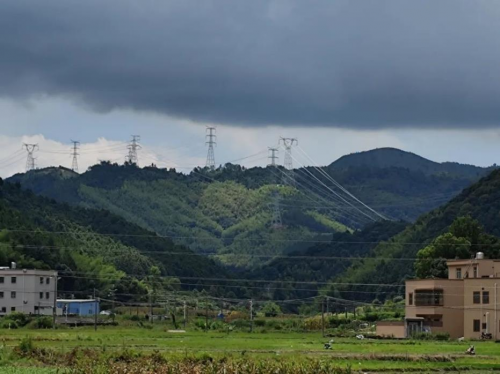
{"x": 27, "y": 291}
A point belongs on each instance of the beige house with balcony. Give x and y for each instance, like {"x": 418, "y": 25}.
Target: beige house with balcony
{"x": 464, "y": 305}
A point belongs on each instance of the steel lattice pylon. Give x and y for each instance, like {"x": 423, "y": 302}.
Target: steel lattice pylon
{"x": 287, "y": 161}
{"x": 211, "y": 142}
{"x": 74, "y": 153}
{"x": 30, "y": 159}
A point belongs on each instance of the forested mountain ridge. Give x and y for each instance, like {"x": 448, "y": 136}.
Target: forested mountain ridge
{"x": 229, "y": 211}
{"x": 480, "y": 202}
{"x": 403, "y": 185}
{"x": 90, "y": 248}
{"x": 223, "y": 216}
{"x": 393, "y": 157}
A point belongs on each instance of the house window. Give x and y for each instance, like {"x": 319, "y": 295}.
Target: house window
{"x": 13, "y": 309}
{"x": 13, "y": 280}
{"x": 47, "y": 280}
{"x": 13, "y": 295}
{"x": 410, "y": 298}
{"x": 4, "y": 309}
{"x": 475, "y": 272}
{"x": 41, "y": 280}
{"x": 484, "y": 325}
{"x": 47, "y": 295}
{"x": 477, "y": 325}
{"x": 459, "y": 273}
{"x": 2, "y": 279}
{"x": 428, "y": 297}
{"x": 41, "y": 295}
{"x": 1, "y": 294}
{"x": 486, "y": 297}
{"x": 476, "y": 297}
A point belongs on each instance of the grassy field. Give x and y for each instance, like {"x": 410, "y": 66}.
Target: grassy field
{"x": 302, "y": 348}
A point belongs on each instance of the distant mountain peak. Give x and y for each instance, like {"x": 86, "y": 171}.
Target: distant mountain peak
{"x": 396, "y": 158}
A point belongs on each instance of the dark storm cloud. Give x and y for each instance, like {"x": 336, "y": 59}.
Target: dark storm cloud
{"x": 353, "y": 63}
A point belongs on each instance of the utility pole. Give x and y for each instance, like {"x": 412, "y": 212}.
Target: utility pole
{"x": 95, "y": 312}
{"x": 211, "y": 141}
{"x": 133, "y": 147}
{"x": 251, "y": 315}
{"x": 75, "y": 154}
{"x": 323, "y": 317}
{"x": 30, "y": 159}
{"x": 287, "y": 161}
{"x": 151, "y": 317}
{"x": 54, "y": 309}
{"x": 185, "y": 314}
{"x": 206, "y": 316}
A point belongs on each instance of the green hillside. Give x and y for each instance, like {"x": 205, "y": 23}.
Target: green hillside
{"x": 90, "y": 248}
{"x": 396, "y": 158}
{"x": 400, "y": 184}
{"x": 229, "y": 216}
{"x": 480, "y": 202}
{"x": 323, "y": 261}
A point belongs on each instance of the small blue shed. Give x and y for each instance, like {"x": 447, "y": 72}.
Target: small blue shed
{"x": 79, "y": 307}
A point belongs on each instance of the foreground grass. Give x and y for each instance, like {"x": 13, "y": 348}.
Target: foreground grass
{"x": 115, "y": 348}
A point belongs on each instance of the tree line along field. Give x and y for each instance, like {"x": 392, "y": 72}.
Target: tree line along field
{"x": 155, "y": 348}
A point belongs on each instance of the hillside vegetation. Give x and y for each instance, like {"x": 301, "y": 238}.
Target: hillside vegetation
{"x": 480, "y": 202}
{"x": 228, "y": 211}
{"x": 91, "y": 248}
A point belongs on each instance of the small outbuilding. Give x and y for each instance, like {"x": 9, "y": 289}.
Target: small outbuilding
{"x": 77, "y": 307}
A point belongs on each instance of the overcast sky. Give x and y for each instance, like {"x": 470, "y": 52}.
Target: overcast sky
{"x": 341, "y": 76}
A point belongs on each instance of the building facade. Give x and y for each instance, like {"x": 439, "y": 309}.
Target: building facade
{"x": 464, "y": 305}
{"x": 27, "y": 291}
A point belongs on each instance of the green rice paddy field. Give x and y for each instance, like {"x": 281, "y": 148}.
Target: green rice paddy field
{"x": 119, "y": 349}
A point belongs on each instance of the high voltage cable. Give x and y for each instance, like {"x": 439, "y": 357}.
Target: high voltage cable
{"x": 237, "y": 239}
{"x": 332, "y": 191}
{"x": 332, "y": 207}
{"x": 115, "y": 278}
{"x": 215, "y": 254}
{"x": 338, "y": 184}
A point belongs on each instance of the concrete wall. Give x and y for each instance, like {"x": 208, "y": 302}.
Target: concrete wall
{"x": 446, "y": 318}
{"x": 31, "y": 295}
{"x": 391, "y": 329}
{"x": 485, "y": 313}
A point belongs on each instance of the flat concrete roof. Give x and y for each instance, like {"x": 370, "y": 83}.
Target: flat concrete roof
{"x": 27, "y": 271}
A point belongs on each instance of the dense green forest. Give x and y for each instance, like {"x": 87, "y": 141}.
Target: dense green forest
{"x": 228, "y": 211}
{"x": 91, "y": 248}
{"x": 145, "y": 223}
{"x": 433, "y": 236}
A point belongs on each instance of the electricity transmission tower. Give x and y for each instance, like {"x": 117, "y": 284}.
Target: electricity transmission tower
{"x": 133, "y": 147}
{"x": 211, "y": 142}
{"x": 75, "y": 154}
{"x": 288, "y": 143}
{"x": 287, "y": 163}
{"x": 276, "y": 219}
{"x": 30, "y": 160}
{"x": 273, "y": 157}
{"x": 275, "y": 196}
